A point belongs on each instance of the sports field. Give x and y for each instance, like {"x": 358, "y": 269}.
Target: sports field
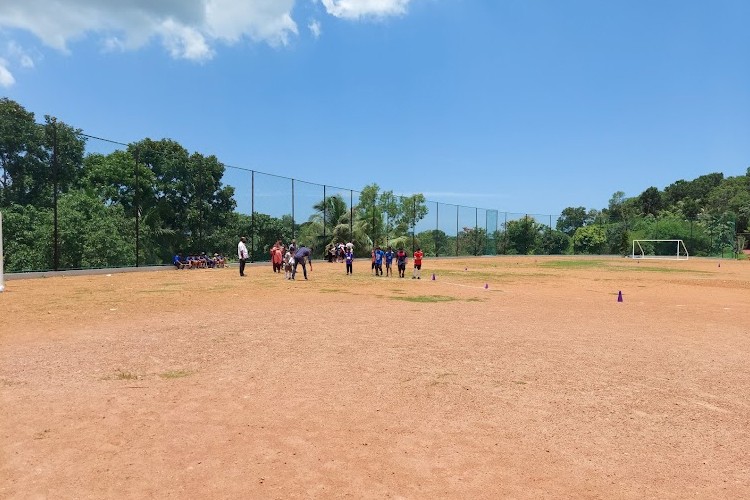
{"x": 516, "y": 377}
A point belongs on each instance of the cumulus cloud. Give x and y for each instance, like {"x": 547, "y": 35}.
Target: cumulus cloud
{"x": 188, "y": 29}
{"x": 6, "y": 77}
{"x": 357, "y": 9}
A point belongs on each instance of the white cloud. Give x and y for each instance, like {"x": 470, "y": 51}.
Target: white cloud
{"x": 16, "y": 52}
{"x": 357, "y": 9}
{"x": 315, "y": 28}
{"x": 6, "y": 77}
{"x": 188, "y": 29}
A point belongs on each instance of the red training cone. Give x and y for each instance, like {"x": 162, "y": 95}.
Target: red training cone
{"x": 619, "y": 296}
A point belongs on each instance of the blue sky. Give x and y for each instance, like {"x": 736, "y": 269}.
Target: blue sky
{"x": 526, "y": 106}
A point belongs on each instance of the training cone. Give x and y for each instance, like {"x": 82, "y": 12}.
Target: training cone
{"x": 486, "y": 286}
{"x": 433, "y": 276}
{"x": 619, "y": 296}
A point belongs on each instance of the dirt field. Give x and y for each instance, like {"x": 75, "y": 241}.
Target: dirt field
{"x": 202, "y": 384}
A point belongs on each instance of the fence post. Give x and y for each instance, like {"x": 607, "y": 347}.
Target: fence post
{"x": 324, "y": 213}
{"x": 252, "y": 216}
{"x": 476, "y": 231}
{"x": 457, "y": 207}
{"x": 437, "y": 228}
{"x": 137, "y": 212}
{"x": 413, "y": 223}
{"x": 293, "y": 236}
{"x": 55, "y": 168}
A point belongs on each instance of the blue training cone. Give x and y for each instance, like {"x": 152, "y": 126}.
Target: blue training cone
{"x": 619, "y": 296}
{"x": 433, "y": 276}
{"x": 486, "y": 286}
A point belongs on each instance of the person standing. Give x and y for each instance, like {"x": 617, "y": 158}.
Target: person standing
{"x": 349, "y": 256}
{"x": 379, "y": 261}
{"x": 418, "y": 264}
{"x": 302, "y": 256}
{"x": 276, "y": 257}
{"x": 389, "y": 254}
{"x": 401, "y": 262}
{"x": 242, "y": 254}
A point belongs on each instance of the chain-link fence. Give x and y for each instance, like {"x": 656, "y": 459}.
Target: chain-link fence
{"x": 125, "y": 205}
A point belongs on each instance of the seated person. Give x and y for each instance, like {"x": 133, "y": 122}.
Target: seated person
{"x": 179, "y": 262}
{"x": 207, "y": 260}
{"x": 219, "y": 260}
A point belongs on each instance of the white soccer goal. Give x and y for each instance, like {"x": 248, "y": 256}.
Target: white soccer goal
{"x": 659, "y": 249}
{"x": 2, "y": 257}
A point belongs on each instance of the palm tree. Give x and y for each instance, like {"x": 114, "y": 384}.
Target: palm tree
{"x": 329, "y": 211}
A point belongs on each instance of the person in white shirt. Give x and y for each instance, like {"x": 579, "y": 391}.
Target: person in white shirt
{"x": 242, "y": 254}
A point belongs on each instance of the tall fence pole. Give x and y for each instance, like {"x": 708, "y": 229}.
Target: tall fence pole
{"x": 2, "y": 256}
{"x": 437, "y": 228}
{"x": 252, "y": 216}
{"x": 137, "y": 213}
{"x": 55, "y": 181}
{"x": 413, "y": 224}
{"x": 476, "y": 231}
{"x": 293, "y": 236}
{"x": 324, "y": 213}
{"x": 351, "y": 215}
{"x": 457, "y": 207}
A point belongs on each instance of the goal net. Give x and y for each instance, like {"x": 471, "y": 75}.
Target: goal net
{"x": 659, "y": 249}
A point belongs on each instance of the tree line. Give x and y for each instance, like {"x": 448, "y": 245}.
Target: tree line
{"x": 64, "y": 208}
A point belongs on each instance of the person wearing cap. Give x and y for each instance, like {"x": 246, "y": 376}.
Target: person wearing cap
{"x": 242, "y": 254}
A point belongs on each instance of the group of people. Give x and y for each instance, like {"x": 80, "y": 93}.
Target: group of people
{"x": 290, "y": 257}
{"x": 198, "y": 261}
{"x": 282, "y": 257}
{"x": 378, "y": 256}
{"x": 337, "y": 251}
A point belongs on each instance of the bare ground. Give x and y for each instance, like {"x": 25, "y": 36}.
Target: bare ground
{"x": 511, "y": 377}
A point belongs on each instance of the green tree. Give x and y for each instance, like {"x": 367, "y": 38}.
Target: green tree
{"x": 650, "y": 201}
{"x": 521, "y": 236}
{"x": 571, "y": 219}
{"x": 21, "y": 153}
{"x": 589, "y": 239}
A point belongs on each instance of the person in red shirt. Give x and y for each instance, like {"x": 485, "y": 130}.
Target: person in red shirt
{"x": 418, "y": 264}
{"x": 276, "y": 257}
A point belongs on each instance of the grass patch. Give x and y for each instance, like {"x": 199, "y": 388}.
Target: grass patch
{"x": 426, "y": 298}
{"x": 330, "y": 290}
{"x": 573, "y": 264}
{"x": 125, "y": 375}
{"x": 175, "y": 374}
{"x": 658, "y": 269}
